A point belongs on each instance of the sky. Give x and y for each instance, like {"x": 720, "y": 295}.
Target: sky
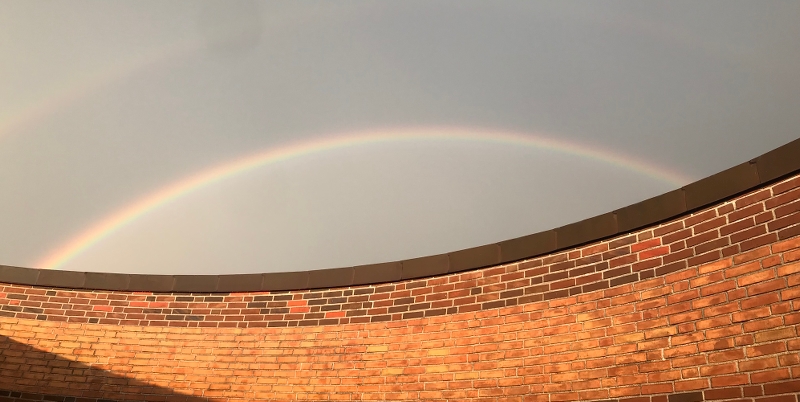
{"x": 210, "y": 137}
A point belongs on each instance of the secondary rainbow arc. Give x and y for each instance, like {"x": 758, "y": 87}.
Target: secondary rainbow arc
{"x": 140, "y": 207}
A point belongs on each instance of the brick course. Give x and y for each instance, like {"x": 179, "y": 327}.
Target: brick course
{"x": 707, "y": 304}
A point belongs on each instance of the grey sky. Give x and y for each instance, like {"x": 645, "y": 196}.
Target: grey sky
{"x": 102, "y": 103}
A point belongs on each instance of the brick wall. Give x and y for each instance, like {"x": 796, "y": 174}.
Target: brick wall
{"x": 704, "y": 307}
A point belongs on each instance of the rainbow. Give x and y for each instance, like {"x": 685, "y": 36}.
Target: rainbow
{"x": 171, "y": 192}
{"x": 88, "y": 83}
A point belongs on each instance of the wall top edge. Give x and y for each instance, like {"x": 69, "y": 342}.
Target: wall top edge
{"x": 769, "y": 167}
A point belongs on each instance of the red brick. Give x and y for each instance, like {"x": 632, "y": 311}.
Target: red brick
{"x": 768, "y": 349}
{"x": 756, "y": 277}
{"x": 768, "y": 286}
{"x": 715, "y": 266}
{"x": 762, "y": 300}
{"x": 780, "y": 398}
{"x": 722, "y": 393}
{"x": 753, "y": 198}
{"x": 789, "y": 269}
{"x": 710, "y": 224}
{"x": 782, "y": 388}
{"x": 770, "y": 376}
{"x": 729, "y": 380}
{"x": 655, "y": 252}
{"x": 775, "y": 334}
{"x": 758, "y": 241}
{"x": 758, "y": 364}
{"x": 786, "y": 245}
{"x": 737, "y": 226}
{"x": 726, "y": 355}
{"x": 751, "y": 314}
{"x": 691, "y": 385}
{"x": 645, "y": 245}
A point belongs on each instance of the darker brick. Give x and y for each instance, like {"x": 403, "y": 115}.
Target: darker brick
{"x": 647, "y": 274}
{"x": 556, "y": 276}
{"x": 435, "y": 312}
{"x": 581, "y": 271}
{"x": 556, "y": 294}
{"x": 415, "y": 314}
{"x": 789, "y": 232}
{"x": 562, "y": 266}
{"x": 670, "y": 268}
{"x": 705, "y": 258}
{"x": 616, "y": 272}
{"x": 669, "y": 228}
{"x": 625, "y": 279}
{"x": 381, "y": 318}
{"x": 493, "y": 304}
{"x": 595, "y": 286}
{"x": 614, "y": 244}
{"x": 758, "y": 241}
{"x": 616, "y": 253}
{"x": 511, "y": 293}
{"x": 686, "y": 397}
{"x": 364, "y": 291}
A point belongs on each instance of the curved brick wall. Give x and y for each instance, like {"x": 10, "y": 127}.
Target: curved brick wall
{"x": 704, "y": 305}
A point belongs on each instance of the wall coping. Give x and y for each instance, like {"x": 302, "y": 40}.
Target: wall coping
{"x": 767, "y": 168}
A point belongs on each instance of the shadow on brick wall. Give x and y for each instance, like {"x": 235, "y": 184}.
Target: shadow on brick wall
{"x": 30, "y": 374}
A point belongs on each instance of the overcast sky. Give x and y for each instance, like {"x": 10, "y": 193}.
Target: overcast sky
{"x": 104, "y": 103}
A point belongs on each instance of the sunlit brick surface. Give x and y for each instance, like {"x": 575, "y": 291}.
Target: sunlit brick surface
{"x": 706, "y": 306}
